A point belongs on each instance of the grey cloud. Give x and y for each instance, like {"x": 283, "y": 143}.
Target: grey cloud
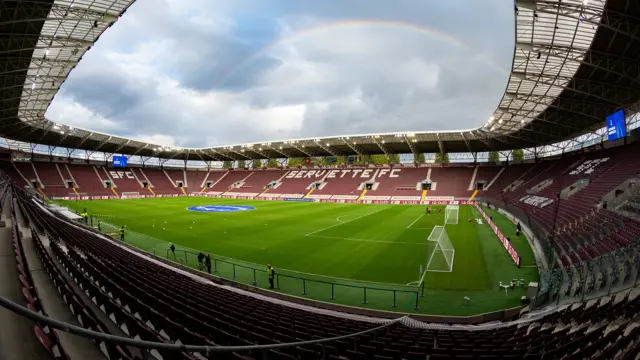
{"x": 203, "y": 60}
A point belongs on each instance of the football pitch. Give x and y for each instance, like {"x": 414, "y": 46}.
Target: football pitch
{"x": 353, "y": 254}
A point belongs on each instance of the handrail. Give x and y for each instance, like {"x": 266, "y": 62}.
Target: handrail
{"x": 76, "y": 330}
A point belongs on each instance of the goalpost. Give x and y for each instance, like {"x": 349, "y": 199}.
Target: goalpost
{"x": 78, "y": 196}
{"x": 440, "y": 251}
{"x": 451, "y": 214}
{"x": 130, "y": 194}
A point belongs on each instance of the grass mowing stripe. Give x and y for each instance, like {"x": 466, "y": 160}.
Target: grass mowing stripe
{"x": 275, "y": 232}
{"x": 342, "y": 223}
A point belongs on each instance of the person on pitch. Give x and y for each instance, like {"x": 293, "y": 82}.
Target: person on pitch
{"x": 428, "y": 210}
{"x": 173, "y": 250}
{"x": 440, "y": 210}
{"x": 121, "y": 233}
{"x": 99, "y": 226}
{"x": 271, "y": 274}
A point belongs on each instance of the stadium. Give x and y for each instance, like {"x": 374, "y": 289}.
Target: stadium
{"x": 517, "y": 239}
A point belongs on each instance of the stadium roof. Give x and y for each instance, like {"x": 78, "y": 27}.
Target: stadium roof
{"x": 575, "y": 62}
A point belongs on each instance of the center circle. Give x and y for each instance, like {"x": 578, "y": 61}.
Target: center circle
{"x": 220, "y": 208}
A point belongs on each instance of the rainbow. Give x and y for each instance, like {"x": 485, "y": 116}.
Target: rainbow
{"x": 358, "y": 23}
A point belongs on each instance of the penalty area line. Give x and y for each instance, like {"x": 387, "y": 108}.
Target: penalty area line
{"x": 415, "y": 221}
{"x": 365, "y": 240}
{"x": 342, "y": 223}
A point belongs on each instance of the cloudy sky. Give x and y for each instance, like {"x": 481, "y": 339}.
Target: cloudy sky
{"x": 217, "y": 72}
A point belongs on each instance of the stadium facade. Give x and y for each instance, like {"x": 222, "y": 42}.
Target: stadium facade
{"x": 575, "y": 63}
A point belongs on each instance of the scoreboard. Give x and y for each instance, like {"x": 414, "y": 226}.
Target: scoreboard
{"x": 119, "y": 161}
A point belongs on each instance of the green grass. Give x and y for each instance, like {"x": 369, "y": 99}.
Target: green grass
{"x": 380, "y": 247}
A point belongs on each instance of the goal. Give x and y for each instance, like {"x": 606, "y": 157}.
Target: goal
{"x": 451, "y": 214}
{"x": 440, "y": 251}
{"x": 130, "y": 194}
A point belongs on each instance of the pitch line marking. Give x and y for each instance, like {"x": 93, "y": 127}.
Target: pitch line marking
{"x": 342, "y": 223}
{"x": 341, "y": 216}
{"x": 416, "y": 220}
{"x": 365, "y": 240}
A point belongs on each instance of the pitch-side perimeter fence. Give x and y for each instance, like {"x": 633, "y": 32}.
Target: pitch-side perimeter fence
{"x": 344, "y": 291}
{"x": 375, "y": 295}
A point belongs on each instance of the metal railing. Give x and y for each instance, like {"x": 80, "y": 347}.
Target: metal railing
{"x": 203, "y": 349}
{"x": 609, "y": 273}
{"x": 317, "y": 287}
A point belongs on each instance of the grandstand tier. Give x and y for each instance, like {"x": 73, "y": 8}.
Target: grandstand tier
{"x": 173, "y": 305}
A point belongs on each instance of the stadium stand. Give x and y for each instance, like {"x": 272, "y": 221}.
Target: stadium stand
{"x": 451, "y": 181}
{"x": 88, "y": 180}
{"x": 213, "y": 177}
{"x": 159, "y": 180}
{"x": 26, "y": 171}
{"x": 9, "y": 169}
{"x": 195, "y": 180}
{"x": 154, "y": 302}
{"x": 292, "y": 185}
{"x": 124, "y": 179}
{"x": 341, "y": 182}
{"x": 175, "y": 176}
{"x": 225, "y": 183}
{"x": 256, "y": 183}
{"x": 488, "y": 175}
{"x": 503, "y": 184}
{"x": 52, "y": 180}
{"x": 403, "y": 185}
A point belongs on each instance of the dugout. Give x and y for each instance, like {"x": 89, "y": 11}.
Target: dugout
{"x": 65, "y": 213}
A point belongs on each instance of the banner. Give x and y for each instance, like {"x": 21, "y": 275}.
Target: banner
{"x": 297, "y": 199}
{"x": 507, "y": 245}
{"x": 449, "y": 202}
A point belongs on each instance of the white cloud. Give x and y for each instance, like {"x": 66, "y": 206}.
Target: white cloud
{"x": 202, "y": 75}
{"x": 160, "y": 139}
{"x": 69, "y": 112}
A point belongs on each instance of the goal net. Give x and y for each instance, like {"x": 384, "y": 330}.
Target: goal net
{"x": 451, "y": 214}
{"x": 440, "y": 251}
{"x": 131, "y": 194}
